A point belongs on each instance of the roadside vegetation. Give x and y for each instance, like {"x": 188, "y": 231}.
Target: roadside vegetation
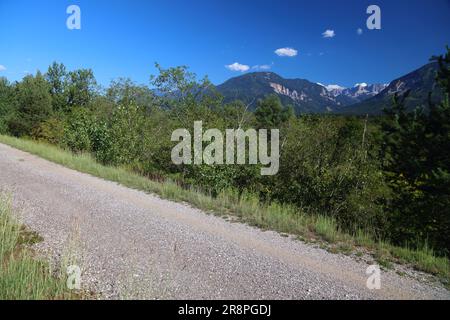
{"x": 22, "y": 275}
{"x": 378, "y": 184}
{"x": 246, "y": 207}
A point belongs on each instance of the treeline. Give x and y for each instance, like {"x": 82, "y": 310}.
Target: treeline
{"x": 388, "y": 176}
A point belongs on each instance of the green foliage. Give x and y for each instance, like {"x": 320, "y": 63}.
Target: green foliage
{"x": 388, "y": 180}
{"x": 34, "y": 105}
{"x": 77, "y": 131}
{"x": 57, "y": 77}
{"x": 188, "y": 99}
{"x": 246, "y": 207}
{"x": 51, "y": 131}
{"x": 121, "y": 142}
{"x": 7, "y": 104}
{"x": 325, "y": 167}
{"x": 416, "y": 149}
{"x": 270, "y": 113}
{"x": 124, "y": 92}
{"x": 213, "y": 179}
{"x": 81, "y": 88}
{"x": 22, "y": 277}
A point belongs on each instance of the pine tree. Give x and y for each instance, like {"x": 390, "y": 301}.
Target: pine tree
{"x": 416, "y": 151}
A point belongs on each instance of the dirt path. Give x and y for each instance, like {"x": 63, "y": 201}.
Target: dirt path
{"x": 134, "y": 245}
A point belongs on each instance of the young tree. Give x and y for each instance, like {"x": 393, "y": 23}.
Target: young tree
{"x": 124, "y": 91}
{"x": 57, "y": 77}
{"x": 81, "y": 87}
{"x": 188, "y": 99}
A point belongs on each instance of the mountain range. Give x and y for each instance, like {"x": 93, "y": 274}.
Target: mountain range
{"x": 419, "y": 82}
{"x": 358, "y": 93}
{"x": 309, "y": 97}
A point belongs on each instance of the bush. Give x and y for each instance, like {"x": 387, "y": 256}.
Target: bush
{"x": 51, "y": 131}
{"x": 329, "y": 171}
{"x": 77, "y": 131}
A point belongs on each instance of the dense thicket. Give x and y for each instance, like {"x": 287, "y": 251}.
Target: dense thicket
{"x": 388, "y": 176}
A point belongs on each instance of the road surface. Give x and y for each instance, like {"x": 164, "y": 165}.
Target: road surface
{"x": 130, "y": 244}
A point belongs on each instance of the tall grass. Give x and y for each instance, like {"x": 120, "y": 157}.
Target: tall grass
{"x": 22, "y": 276}
{"x": 246, "y": 207}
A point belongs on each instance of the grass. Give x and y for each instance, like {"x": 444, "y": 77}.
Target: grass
{"x": 22, "y": 276}
{"x": 247, "y": 208}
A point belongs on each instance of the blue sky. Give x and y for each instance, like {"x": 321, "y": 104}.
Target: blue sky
{"x": 125, "y": 38}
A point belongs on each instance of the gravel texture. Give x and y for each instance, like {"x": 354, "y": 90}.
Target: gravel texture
{"x": 130, "y": 244}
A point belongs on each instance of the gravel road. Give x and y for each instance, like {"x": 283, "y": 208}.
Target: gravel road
{"x": 130, "y": 244}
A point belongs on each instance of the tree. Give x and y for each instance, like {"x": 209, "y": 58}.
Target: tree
{"x": 81, "y": 87}
{"x": 179, "y": 83}
{"x": 7, "y": 104}
{"x": 186, "y": 97}
{"x": 123, "y": 91}
{"x": 270, "y": 113}
{"x": 34, "y": 105}
{"x": 122, "y": 141}
{"x": 416, "y": 152}
{"x": 57, "y": 77}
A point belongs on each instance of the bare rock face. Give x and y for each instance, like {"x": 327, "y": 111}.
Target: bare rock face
{"x": 279, "y": 89}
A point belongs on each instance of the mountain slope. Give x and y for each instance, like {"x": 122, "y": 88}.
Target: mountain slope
{"x": 308, "y": 97}
{"x": 358, "y": 93}
{"x": 420, "y": 82}
{"x": 303, "y": 95}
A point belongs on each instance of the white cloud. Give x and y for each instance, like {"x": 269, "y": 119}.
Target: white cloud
{"x": 237, "y": 67}
{"x": 359, "y": 31}
{"x": 262, "y": 67}
{"x": 329, "y": 34}
{"x": 286, "y": 52}
{"x": 2, "y": 67}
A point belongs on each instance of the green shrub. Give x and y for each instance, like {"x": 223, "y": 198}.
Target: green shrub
{"x": 77, "y": 130}
{"x": 51, "y": 131}
{"x": 325, "y": 166}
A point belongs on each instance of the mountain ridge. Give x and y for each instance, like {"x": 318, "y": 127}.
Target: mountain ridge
{"x": 303, "y": 95}
{"x": 419, "y": 82}
{"x": 309, "y": 97}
